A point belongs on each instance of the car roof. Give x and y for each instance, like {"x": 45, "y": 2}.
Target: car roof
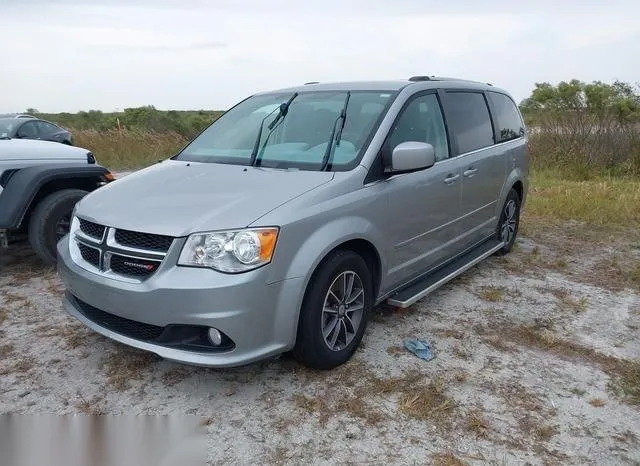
{"x": 423, "y": 82}
{"x": 14, "y": 120}
{"x": 16, "y": 116}
{"x": 23, "y": 120}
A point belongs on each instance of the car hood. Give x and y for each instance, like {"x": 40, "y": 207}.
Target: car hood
{"x": 178, "y": 198}
{"x": 32, "y": 149}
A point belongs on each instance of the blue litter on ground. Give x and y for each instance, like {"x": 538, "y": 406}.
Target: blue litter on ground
{"x": 420, "y": 348}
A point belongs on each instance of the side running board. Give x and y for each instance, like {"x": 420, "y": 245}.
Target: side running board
{"x": 423, "y": 286}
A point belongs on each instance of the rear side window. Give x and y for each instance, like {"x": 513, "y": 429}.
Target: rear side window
{"x": 47, "y": 128}
{"x": 508, "y": 119}
{"x": 469, "y": 116}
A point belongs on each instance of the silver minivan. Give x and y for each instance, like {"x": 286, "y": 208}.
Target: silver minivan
{"x": 281, "y": 225}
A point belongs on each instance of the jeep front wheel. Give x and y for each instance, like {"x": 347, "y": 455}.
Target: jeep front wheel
{"x": 50, "y": 222}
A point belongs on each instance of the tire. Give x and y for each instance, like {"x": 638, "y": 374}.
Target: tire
{"x": 509, "y": 221}
{"x": 311, "y": 348}
{"x": 48, "y": 221}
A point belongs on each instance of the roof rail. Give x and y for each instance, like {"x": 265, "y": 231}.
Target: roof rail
{"x": 312, "y": 82}
{"x": 445, "y": 78}
{"x": 420, "y": 78}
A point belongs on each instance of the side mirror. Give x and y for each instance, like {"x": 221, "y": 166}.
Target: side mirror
{"x": 412, "y": 156}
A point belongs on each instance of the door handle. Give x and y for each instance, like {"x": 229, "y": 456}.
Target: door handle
{"x": 451, "y": 178}
{"x": 470, "y": 172}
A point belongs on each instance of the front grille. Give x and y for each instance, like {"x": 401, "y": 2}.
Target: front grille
{"x": 151, "y": 242}
{"x": 91, "y": 229}
{"x": 126, "y": 327}
{"x": 89, "y": 254}
{"x": 133, "y": 267}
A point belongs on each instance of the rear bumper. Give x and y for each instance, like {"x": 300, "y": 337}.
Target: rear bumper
{"x": 259, "y": 318}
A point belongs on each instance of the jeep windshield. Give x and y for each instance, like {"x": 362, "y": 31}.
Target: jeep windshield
{"x": 300, "y": 135}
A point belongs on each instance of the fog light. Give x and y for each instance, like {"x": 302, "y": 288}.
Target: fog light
{"x": 215, "y": 336}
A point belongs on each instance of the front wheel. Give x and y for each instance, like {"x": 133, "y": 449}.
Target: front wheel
{"x": 509, "y": 222}
{"x": 334, "y": 312}
{"x": 50, "y": 222}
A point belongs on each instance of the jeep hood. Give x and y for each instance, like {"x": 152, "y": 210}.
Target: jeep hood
{"x": 178, "y": 198}
{"x": 33, "y": 149}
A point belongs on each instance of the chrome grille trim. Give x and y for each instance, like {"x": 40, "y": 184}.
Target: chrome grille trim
{"x": 146, "y": 254}
{"x": 108, "y": 247}
{"x": 89, "y": 225}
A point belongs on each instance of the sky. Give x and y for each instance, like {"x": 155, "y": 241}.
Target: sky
{"x": 71, "y": 55}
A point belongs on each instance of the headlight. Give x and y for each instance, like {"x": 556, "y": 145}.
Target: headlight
{"x": 230, "y": 251}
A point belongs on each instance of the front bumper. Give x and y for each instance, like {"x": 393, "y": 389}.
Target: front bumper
{"x": 260, "y": 319}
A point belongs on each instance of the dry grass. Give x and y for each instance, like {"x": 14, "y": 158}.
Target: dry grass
{"x": 461, "y": 376}
{"x": 128, "y": 149}
{"x": 492, "y": 294}
{"x": 357, "y": 407}
{"x": 461, "y": 352}
{"x": 569, "y": 302}
{"x": 175, "y": 375}
{"x": 597, "y": 402}
{"x": 498, "y": 343}
{"x": 477, "y": 423}
{"x": 516, "y": 396}
{"x": 611, "y": 202}
{"x": 21, "y": 368}
{"x": 428, "y": 403}
{"x": 395, "y": 350}
{"x": 369, "y": 395}
{"x": 124, "y": 366}
{"x": 6, "y": 350}
{"x": 625, "y": 374}
{"x": 92, "y": 407}
{"x": 545, "y": 432}
{"x": 446, "y": 459}
{"x": 73, "y": 336}
{"x": 11, "y": 299}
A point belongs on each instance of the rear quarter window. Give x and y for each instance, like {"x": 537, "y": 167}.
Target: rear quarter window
{"x": 470, "y": 120}
{"x": 508, "y": 119}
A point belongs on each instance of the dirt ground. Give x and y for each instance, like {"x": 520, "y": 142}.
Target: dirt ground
{"x": 536, "y": 362}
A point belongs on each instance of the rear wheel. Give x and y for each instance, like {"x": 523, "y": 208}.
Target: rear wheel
{"x": 509, "y": 222}
{"x": 50, "y": 222}
{"x": 334, "y": 313}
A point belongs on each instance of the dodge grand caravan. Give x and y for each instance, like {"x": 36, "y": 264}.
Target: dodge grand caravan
{"x": 283, "y": 223}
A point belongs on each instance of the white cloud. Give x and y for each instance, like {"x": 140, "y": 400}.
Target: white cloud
{"x": 208, "y": 54}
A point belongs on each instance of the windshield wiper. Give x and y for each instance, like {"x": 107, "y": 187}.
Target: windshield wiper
{"x": 283, "y": 109}
{"x": 341, "y": 119}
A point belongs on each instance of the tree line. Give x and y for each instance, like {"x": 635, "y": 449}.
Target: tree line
{"x": 148, "y": 118}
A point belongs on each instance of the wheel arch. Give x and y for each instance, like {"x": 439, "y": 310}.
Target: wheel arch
{"x": 352, "y": 233}
{"x": 516, "y": 180}
{"x": 29, "y": 186}
{"x": 364, "y": 249}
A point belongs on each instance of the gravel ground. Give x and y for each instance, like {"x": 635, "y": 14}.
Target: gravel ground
{"x": 536, "y": 362}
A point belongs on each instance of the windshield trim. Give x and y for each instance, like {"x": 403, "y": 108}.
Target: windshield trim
{"x": 301, "y": 166}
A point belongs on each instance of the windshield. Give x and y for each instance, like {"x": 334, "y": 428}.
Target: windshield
{"x": 6, "y": 127}
{"x": 300, "y": 136}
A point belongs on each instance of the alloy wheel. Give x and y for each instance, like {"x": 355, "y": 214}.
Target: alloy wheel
{"x": 342, "y": 310}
